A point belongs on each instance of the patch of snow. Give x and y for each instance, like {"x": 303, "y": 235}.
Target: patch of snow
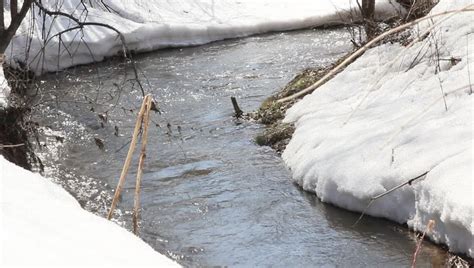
{"x": 43, "y": 225}
{"x": 4, "y": 88}
{"x": 149, "y": 25}
{"x": 383, "y": 121}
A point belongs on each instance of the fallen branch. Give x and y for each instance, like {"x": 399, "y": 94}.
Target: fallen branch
{"x": 361, "y": 50}
{"x": 429, "y": 227}
{"x": 372, "y": 199}
{"x": 402, "y": 53}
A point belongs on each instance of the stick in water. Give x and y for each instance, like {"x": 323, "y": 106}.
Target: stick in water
{"x": 136, "y": 201}
{"x": 429, "y": 227}
{"x": 128, "y": 160}
{"x": 238, "y": 112}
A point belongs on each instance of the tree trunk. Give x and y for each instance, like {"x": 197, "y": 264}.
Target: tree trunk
{"x": 2, "y": 23}
{"x": 368, "y": 9}
{"x": 6, "y": 34}
{"x": 368, "y": 13}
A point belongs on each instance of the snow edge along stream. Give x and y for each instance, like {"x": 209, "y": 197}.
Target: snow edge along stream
{"x": 382, "y": 121}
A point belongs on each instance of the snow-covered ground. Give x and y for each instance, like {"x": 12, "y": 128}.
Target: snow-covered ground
{"x": 4, "y": 88}
{"x": 43, "y": 225}
{"x": 148, "y": 25}
{"x": 383, "y": 121}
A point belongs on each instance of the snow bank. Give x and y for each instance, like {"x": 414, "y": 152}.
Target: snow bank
{"x": 4, "y": 88}
{"x": 41, "y": 224}
{"x": 383, "y": 121}
{"x": 149, "y": 25}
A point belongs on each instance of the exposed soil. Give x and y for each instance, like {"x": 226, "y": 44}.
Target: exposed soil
{"x": 271, "y": 113}
{"x": 12, "y": 132}
{"x": 15, "y": 127}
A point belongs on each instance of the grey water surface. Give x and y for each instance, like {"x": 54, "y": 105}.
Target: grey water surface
{"x": 210, "y": 195}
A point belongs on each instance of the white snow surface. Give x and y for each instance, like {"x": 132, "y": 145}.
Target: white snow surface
{"x": 383, "y": 121}
{"x": 149, "y": 25}
{"x": 43, "y": 225}
{"x": 4, "y": 88}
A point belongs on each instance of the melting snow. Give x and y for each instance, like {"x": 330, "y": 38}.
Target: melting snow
{"x": 383, "y": 121}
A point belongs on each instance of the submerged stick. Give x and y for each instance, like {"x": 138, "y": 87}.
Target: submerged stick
{"x": 361, "y": 50}
{"x": 136, "y": 201}
{"x": 128, "y": 160}
{"x": 372, "y": 199}
{"x": 428, "y": 229}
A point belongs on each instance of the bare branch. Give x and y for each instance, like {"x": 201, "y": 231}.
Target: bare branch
{"x": 13, "y": 8}
{"x": 7, "y": 35}
{"x": 429, "y": 227}
{"x": 81, "y": 25}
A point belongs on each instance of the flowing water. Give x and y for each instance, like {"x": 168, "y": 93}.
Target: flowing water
{"x": 210, "y": 196}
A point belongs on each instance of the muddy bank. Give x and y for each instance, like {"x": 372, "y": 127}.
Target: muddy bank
{"x": 15, "y": 125}
{"x": 14, "y": 137}
{"x": 271, "y": 113}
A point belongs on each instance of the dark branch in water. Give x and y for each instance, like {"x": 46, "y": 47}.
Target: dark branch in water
{"x": 238, "y": 111}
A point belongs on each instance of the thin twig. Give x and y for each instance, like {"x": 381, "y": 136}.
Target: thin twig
{"x": 425, "y": 111}
{"x": 468, "y": 68}
{"x": 399, "y": 186}
{"x": 428, "y": 229}
{"x": 11, "y": 145}
{"x": 372, "y": 199}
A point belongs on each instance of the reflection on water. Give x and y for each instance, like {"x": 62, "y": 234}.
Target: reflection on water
{"x": 210, "y": 196}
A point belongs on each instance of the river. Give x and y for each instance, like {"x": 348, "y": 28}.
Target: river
{"x": 210, "y": 196}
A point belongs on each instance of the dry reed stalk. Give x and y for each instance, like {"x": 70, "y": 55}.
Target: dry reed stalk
{"x": 387, "y": 66}
{"x": 421, "y": 36}
{"x": 361, "y": 50}
{"x": 128, "y": 160}
{"x": 429, "y": 227}
{"x": 136, "y": 201}
{"x": 394, "y": 60}
{"x": 11, "y": 145}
